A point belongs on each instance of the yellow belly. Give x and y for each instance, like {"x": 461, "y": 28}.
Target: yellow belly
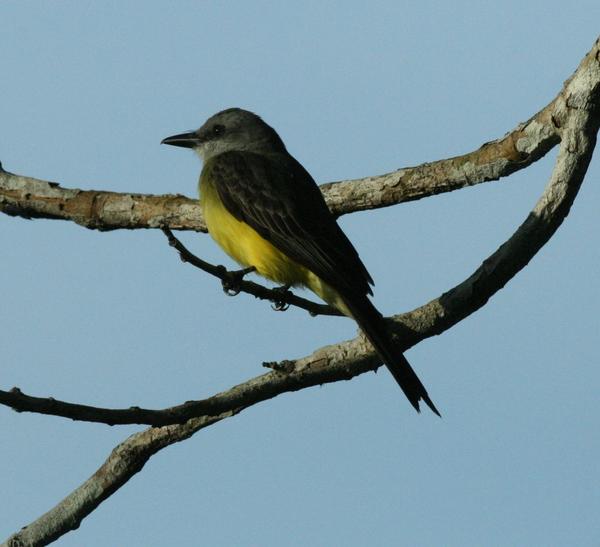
{"x": 245, "y": 245}
{"x": 248, "y": 248}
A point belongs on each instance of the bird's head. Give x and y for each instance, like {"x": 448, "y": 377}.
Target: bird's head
{"x": 233, "y": 129}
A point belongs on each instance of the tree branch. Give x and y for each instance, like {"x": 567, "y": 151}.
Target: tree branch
{"x": 280, "y": 299}
{"x": 125, "y": 460}
{"x": 575, "y": 113}
{"x": 576, "y": 117}
{"x": 27, "y": 197}
{"x": 579, "y": 115}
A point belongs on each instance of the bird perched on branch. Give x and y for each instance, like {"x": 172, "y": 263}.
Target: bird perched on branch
{"x": 266, "y": 211}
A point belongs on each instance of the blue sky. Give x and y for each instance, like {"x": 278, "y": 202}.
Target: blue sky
{"x": 115, "y": 319}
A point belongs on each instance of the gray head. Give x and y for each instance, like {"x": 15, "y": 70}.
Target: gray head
{"x": 233, "y": 129}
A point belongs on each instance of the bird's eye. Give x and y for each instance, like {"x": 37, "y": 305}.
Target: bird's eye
{"x": 218, "y": 129}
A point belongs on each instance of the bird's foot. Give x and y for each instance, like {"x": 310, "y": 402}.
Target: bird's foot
{"x": 278, "y": 303}
{"x": 231, "y": 281}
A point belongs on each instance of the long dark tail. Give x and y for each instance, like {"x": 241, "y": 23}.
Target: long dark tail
{"x": 372, "y": 324}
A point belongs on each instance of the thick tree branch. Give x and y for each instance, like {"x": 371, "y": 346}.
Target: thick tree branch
{"x": 32, "y": 198}
{"x": 576, "y": 117}
{"x": 126, "y": 460}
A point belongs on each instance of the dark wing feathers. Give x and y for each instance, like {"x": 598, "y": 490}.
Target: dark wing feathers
{"x": 279, "y": 199}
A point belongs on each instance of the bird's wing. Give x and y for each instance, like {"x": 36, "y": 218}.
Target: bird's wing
{"x": 279, "y": 199}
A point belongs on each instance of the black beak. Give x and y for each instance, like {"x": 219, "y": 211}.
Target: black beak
{"x": 185, "y": 140}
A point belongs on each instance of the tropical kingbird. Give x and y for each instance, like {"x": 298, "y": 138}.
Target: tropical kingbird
{"x": 266, "y": 212}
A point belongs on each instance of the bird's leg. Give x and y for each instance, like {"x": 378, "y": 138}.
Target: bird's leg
{"x": 231, "y": 281}
{"x": 279, "y": 303}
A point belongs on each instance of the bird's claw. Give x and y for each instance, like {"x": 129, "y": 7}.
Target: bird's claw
{"x": 278, "y": 303}
{"x": 231, "y": 281}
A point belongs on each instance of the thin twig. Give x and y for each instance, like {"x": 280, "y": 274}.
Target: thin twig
{"x": 276, "y": 296}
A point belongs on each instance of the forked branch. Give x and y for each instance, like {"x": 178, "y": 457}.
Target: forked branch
{"x": 575, "y": 117}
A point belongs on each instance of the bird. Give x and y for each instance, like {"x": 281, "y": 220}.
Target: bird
{"x": 265, "y": 210}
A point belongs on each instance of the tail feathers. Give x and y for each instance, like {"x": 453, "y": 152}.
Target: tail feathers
{"x": 408, "y": 381}
{"x": 372, "y": 324}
